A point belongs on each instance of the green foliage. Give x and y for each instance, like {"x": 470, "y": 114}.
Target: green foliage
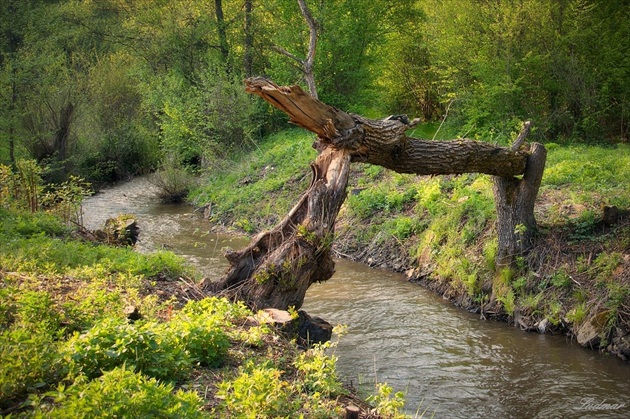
{"x": 583, "y": 171}
{"x": 386, "y": 402}
{"x": 68, "y": 348}
{"x": 318, "y": 371}
{"x": 121, "y": 393}
{"x": 277, "y": 167}
{"x": 23, "y": 189}
{"x": 258, "y": 390}
{"x": 146, "y": 347}
{"x": 117, "y": 141}
{"x": 370, "y": 201}
{"x": 561, "y": 279}
{"x": 173, "y": 180}
{"x": 161, "y": 350}
{"x": 64, "y": 199}
{"x": 202, "y": 336}
{"x": 490, "y": 63}
{"x": 31, "y": 247}
{"x": 577, "y": 313}
{"x": 30, "y": 358}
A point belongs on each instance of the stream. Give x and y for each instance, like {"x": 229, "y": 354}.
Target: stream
{"x": 449, "y": 362}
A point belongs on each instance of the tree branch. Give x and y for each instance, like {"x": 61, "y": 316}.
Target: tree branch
{"x": 312, "y": 44}
{"x": 384, "y": 141}
{"x": 283, "y": 51}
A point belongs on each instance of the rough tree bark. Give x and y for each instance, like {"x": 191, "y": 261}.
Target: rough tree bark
{"x": 277, "y": 268}
{"x": 514, "y": 200}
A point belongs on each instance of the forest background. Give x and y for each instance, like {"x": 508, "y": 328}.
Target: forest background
{"x": 112, "y": 88}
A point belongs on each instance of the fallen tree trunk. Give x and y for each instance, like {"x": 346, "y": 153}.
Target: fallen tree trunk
{"x": 277, "y": 268}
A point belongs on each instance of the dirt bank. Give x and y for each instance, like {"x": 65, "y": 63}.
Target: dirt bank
{"x": 578, "y": 288}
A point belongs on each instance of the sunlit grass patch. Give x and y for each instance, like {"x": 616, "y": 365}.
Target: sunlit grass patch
{"x": 242, "y": 191}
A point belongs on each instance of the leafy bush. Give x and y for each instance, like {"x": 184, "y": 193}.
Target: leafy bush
{"x": 30, "y": 360}
{"x": 173, "y": 180}
{"x": 146, "y": 347}
{"x": 215, "y": 306}
{"x": 258, "y": 391}
{"x": 386, "y": 402}
{"x": 318, "y": 371}
{"x": 202, "y": 337}
{"x": 121, "y": 393}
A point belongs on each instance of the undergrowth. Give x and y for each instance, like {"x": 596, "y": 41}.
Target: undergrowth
{"x": 83, "y": 334}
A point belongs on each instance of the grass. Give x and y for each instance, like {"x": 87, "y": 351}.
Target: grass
{"x": 241, "y": 192}
{"x": 442, "y": 228}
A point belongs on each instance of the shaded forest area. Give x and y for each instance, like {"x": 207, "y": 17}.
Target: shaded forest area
{"x": 113, "y": 88}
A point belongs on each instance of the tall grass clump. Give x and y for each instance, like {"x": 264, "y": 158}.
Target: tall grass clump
{"x": 173, "y": 180}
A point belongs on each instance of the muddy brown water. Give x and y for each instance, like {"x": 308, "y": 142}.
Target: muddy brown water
{"x": 448, "y": 362}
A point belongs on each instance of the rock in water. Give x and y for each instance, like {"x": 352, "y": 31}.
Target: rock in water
{"x": 122, "y": 230}
{"x": 313, "y": 330}
{"x": 590, "y": 333}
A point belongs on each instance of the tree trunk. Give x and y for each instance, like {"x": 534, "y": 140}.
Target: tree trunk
{"x": 309, "y": 75}
{"x": 248, "y": 55}
{"x": 514, "y": 201}
{"x": 277, "y": 268}
{"x": 309, "y": 61}
{"x": 279, "y": 265}
{"x": 62, "y": 133}
{"x": 221, "y": 30}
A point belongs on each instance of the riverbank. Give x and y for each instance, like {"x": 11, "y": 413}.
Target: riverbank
{"x": 90, "y": 330}
{"x": 440, "y": 232}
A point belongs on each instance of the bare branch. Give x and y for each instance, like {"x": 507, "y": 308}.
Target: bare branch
{"x": 518, "y": 143}
{"x": 283, "y": 51}
{"x": 312, "y": 44}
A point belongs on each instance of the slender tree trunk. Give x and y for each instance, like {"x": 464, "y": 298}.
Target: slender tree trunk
{"x": 12, "y": 120}
{"x": 278, "y": 266}
{"x": 221, "y": 30}
{"x": 307, "y": 63}
{"x": 309, "y": 75}
{"x": 62, "y": 134}
{"x": 249, "y": 40}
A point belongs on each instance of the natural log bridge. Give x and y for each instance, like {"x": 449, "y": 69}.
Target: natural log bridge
{"x": 279, "y": 265}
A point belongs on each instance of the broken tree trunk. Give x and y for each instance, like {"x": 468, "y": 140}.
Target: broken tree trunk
{"x": 277, "y": 268}
{"x": 514, "y": 199}
{"x": 279, "y": 265}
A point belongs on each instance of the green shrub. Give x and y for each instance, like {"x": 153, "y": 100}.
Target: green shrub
{"x": 318, "y": 371}
{"x": 386, "y": 402}
{"x": 30, "y": 360}
{"x": 202, "y": 338}
{"x": 561, "y": 279}
{"x": 173, "y": 180}
{"x": 258, "y": 391}
{"x": 37, "y": 307}
{"x": 146, "y": 347}
{"x": 122, "y": 393}
{"x": 221, "y": 307}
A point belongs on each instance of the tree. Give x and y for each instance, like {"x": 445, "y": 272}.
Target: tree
{"x": 307, "y": 62}
{"x": 279, "y": 265}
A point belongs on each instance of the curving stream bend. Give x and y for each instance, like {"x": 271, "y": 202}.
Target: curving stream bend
{"x": 447, "y": 361}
